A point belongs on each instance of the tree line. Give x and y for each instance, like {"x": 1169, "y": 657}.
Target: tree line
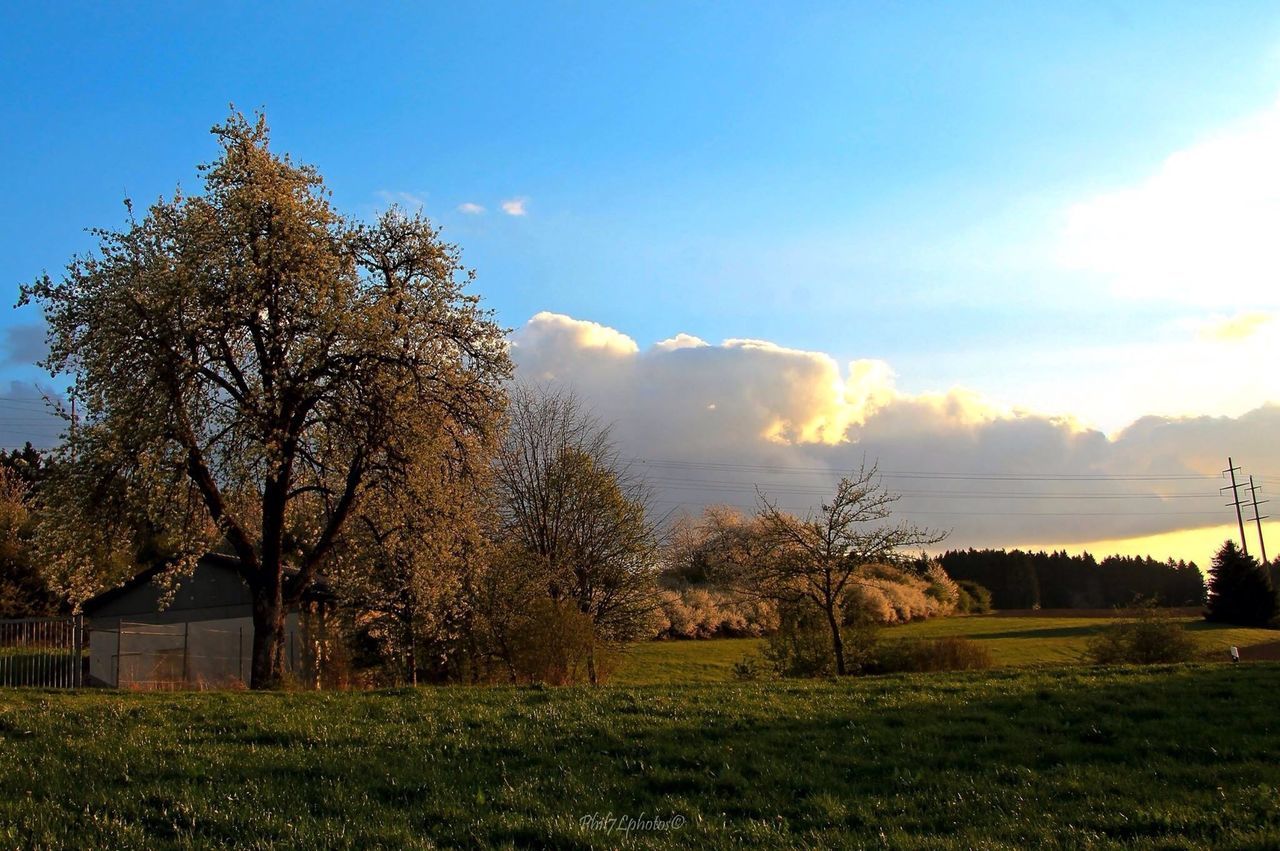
{"x": 1019, "y": 579}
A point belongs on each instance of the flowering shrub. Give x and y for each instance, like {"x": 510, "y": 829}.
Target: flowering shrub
{"x": 883, "y": 594}
{"x": 710, "y": 612}
{"x": 888, "y": 595}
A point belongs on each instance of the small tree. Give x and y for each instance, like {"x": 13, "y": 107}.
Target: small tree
{"x": 579, "y": 518}
{"x": 415, "y": 542}
{"x": 1150, "y": 637}
{"x": 23, "y": 589}
{"x": 816, "y": 558}
{"x": 974, "y": 598}
{"x": 1240, "y": 591}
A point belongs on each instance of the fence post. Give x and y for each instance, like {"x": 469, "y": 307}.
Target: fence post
{"x": 186, "y": 646}
{"x": 77, "y": 672}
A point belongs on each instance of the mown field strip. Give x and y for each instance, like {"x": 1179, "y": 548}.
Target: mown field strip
{"x": 1013, "y": 641}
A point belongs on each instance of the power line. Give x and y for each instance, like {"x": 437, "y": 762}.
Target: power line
{"x": 906, "y": 474}
{"x": 723, "y": 486}
{"x": 680, "y": 503}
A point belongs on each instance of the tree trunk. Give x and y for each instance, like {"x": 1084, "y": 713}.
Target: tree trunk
{"x": 837, "y": 640}
{"x": 267, "y": 670}
{"x": 413, "y": 661}
{"x": 268, "y": 591}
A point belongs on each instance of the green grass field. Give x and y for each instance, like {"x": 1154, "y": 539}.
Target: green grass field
{"x": 1017, "y": 641}
{"x": 1047, "y": 757}
{"x": 1039, "y": 752}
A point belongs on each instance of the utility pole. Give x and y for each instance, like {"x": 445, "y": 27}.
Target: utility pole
{"x": 1253, "y": 491}
{"x": 1235, "y": 500}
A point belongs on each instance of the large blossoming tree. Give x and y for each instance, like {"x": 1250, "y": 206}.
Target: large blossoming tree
{"x": 250, "y": 365}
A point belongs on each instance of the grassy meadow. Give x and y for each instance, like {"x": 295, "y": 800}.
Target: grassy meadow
{"x": 1034, "y": 754}
{"x": 1163, "y": 757}
{"x": 1013, "y": 641}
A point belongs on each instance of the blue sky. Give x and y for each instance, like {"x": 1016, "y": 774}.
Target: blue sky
{"x": 676, "y": 157}
{"x": 864, "y": 180}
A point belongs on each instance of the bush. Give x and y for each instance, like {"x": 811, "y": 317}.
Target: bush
{"x": 709, "y": 611}
{"x": 974, "y": 599}
{"x": 888, "y": 594}
{"x": 557, "y": 645}
{"x": 883, "y": 593}
{"x": 942, "y": 588}
{"x": 940, "y": 654}
{"x": 1151, "y": 637}
{"x": 801, "y": 646}
{"x": 748, "y": 668}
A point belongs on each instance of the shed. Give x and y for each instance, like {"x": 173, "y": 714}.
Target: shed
{"x": 202, "y": 637}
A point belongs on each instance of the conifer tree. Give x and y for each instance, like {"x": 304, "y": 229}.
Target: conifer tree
{"x": 1239, "y": 590}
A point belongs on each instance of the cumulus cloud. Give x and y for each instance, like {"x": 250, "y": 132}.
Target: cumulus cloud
{"x": 1200, "y": 230}
{"x": 553, "y": 347}
{"x": 708, "y": 423}
{"x": 470, "y": 208}
{"x": 680, "y": 341}
{"x": 515, "y": 206}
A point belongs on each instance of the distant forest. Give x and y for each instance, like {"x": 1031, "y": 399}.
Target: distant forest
{"x": 1024, "y": 580}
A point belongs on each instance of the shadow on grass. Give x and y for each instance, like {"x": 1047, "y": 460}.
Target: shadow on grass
{"x": 1214, "y": 626}
{"x": 1046, "y": 632}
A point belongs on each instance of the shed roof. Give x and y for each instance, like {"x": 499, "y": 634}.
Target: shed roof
{"x": 225, "y": 591}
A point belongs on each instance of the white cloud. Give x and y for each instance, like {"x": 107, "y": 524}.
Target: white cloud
{"x": 713, "y": 421}
{"x": 552, "y": 346}
{"x": 470, "y": 208}
{"x": 1214, "y": 364}
{"x": 581, "y": 333}
{"x": 1203, "y": 229}
{"x": 515, "y": 206}
{"x": 680, "y": 341}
